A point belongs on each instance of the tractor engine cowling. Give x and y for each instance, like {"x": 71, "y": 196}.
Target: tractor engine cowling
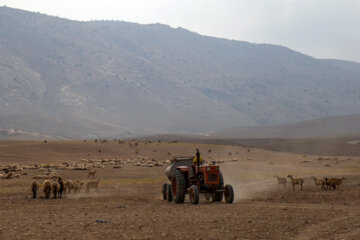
{"x": 211, "y": 174}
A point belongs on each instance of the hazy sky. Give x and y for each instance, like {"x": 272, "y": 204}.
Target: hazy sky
{"x": 320, "y": 28}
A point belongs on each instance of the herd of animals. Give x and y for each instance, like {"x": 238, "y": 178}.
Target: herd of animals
{"x": 325, "y": 183}
{"x": 57, "y": 187}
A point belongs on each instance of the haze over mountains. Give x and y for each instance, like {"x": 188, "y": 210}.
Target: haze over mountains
{"x": 72, "y": 79}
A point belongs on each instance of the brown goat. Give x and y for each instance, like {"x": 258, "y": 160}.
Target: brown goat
{"x": 61, "y": 185}
{"x": 320, "y": 182}
{"x": 296, "y": 181}
{"x": 47, "y": 188}
{"x": 92, "y": 184}
{"x": 333, "y": 182}
{"x": 281, "y": 180}
{"x": 55, "y": 189}
{"x": 91, "y": 173}
{"x": 34, "y": 188}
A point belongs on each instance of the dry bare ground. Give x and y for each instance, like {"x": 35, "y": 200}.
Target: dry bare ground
{"x": 129, "y": 206}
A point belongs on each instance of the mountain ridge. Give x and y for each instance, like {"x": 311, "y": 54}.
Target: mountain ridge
{"x": 103, "y": 78}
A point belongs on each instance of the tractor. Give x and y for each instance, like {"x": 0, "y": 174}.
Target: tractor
{"x": 189, "y": 178}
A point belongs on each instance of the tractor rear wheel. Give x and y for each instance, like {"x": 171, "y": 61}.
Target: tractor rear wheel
{"x": 163, "y": 191}
{"x": 169, "y": 193}
{"x": 218, "y": 196}
{"x": 178, "y": 187}
{"x": 194, "y": 194}
{"x": 229, "y": 193}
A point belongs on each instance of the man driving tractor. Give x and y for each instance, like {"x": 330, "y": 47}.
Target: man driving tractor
{"x": 197, "y": 160}
{"x": 204, "y": 179}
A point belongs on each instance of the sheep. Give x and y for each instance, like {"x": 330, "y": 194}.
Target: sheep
{"x": 8, "y": 175}
{"x": 91, "y": 173}
{"x": 320, "y": 182}
{"x": 296, "y": 181}
{"x": 333, "y": 182}
{"x": 75, "y": 186}
{"x": 68, "y": 186}
{"x": 281, "y": 180}
{"x": 47, "y": 188}
{"x": 34, "y": 188}
{"x": 61, "y": 189}
{"x": 78, "y": 185}
{"x": 92, "y": 184}
{"x": 55, "y": 189}
{"x": 37, "y": 177}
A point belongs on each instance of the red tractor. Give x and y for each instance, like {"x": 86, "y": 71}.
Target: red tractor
{"x": 193, "y": 179}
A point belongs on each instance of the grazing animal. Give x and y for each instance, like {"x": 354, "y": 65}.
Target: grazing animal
{"x": 61, "y": 189}
{"x": 320, "y": 182}
{"x": 333, "y": 182}
{"x": 37, "y": 177}
{"x": 281, "y": 180}
{"x": 70, "y": 185}
{"x": 296, "y": 181}
{"x": 55, "y": 189}
{"x": 78, "y": 185}
{"x": 92, "y": 184}
{"x": 8, "y": 175}
{"x": 67, "y": 186}
{"x": 47, "y": 188}
{"x": 34, "y": 188}
{"x": 91, "y": 173}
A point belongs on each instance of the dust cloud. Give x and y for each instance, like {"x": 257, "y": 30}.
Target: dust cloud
{"x": 249, "y": 188}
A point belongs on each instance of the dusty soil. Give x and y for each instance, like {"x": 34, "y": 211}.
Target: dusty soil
{"x": 349, "y": 146}
{"x": 129, "y": 205}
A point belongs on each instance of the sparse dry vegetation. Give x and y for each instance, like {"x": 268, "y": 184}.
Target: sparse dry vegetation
{"x": 133, "y": 181}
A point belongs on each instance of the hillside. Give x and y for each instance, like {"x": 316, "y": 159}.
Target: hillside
{"x": 106, "y": 78}
{"x": 333, "y": 127}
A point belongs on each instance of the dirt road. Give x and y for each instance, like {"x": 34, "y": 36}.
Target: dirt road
{"x": 129, "y": 205}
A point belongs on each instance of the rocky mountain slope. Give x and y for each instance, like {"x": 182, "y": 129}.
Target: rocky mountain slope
{"x": 106, "y": 78}
{"x": 329, "y": 127}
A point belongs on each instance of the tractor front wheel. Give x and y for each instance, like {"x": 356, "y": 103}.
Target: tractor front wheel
{"x": 163, "y": 190}
{"x": 169, "y": 193}
{"x": 194, "y": 194}
{"x": 229, "y": 193}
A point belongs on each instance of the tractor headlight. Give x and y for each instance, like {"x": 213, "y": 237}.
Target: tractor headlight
{"x": 208, "y": 169}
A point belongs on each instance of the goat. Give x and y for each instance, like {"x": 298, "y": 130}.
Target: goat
{"x": 320, "y": 182}
{"x": 333, "y": 182}
{"x": 34, "y": 188}
{"x": 47, "y": 188}
{"x": 55, "y": 189}
{"x": 296, "y": 181}
{"x": 92, "y": 184}
{"x": 91, "y": 173}
{"x": 281, "y": 180}
{"x": 61, "y": 189}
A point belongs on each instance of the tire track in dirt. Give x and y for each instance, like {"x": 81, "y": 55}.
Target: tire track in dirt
{"x": 333, "y": 227}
